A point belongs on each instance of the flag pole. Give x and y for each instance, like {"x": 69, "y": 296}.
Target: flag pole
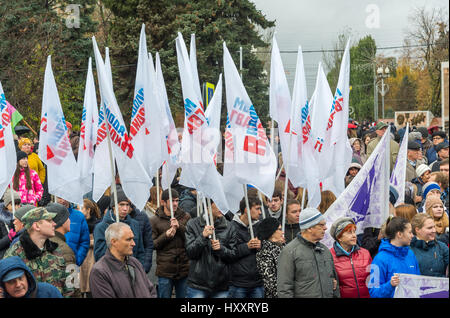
{"x": 303, "y": 198}
{"x": 199, "y": 205}
{"x": 211, "y": 217}
{"x": 286, "y": 182}
{"x": 170, "y": 196}
{"x": 12, "y": 198}
{"x": 249, "y": 217}
{"x": 205, "y": 215}
{"x": 279, "y": 172}
{"x": 157, "y": 187}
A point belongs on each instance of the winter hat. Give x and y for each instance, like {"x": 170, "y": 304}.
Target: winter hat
{"x": 427, "y": 187}
{"x": 412, "y": 145}
{"x": 7, "y": 197}
{"x": 414, "y": 136}
{"x": 339, "y": 225}
{"x": 22, "y": 211}
{"x": 62, "y": 213}
{"x": 267, "y": 227}
{"x": 21, "y": 155}
{"x": 423, "y": 131}
{"x": 393, "y": 195}
{"x": 309, "y": 217}
{"x": 12, "y": 274}
{"x": 420, "y": 170}
{"x": 120, "y": 197}
{"x": 439, "y": 133}
{"x": 441, "y": 146}
{"x": 380, "y": 125}
{"x": 355, "y": 165}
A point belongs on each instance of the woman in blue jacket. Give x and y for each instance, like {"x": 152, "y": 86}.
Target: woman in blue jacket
{"x": 394, "y": 257}
{"x": 431, "y": 254}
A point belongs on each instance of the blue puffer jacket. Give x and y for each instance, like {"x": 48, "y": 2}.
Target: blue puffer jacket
{"x": 432, "y": 257}
{"x": 35, "y": 289}
{"x": 100, "y": 242}
{"x": 78, "y": 237}
{"x": 389, "y": 260}
{"x": 146, "y": 231}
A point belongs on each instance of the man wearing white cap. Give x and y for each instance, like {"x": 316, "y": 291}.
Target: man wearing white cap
{"x": 306, "y": 267}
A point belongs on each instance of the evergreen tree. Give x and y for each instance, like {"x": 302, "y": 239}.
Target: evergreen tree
{"x": 233, "y": 21}
{"x": 30, "y": 30}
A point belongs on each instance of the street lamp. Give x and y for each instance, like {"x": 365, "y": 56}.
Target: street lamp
{"x": 382, "y": 72}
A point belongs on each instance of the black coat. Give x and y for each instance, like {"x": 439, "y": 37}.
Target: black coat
{"x": 209, "y": 270}
{"x": 146, "y": 231}
{"x": 244, "y": 272}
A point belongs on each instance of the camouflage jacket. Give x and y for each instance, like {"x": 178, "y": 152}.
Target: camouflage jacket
{"x": 47, "y": 266}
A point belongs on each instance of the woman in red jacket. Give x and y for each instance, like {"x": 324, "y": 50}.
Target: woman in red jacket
{"x": 352, "y": 263}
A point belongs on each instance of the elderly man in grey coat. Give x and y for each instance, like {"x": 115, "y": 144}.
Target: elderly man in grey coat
{"x": 305, "y": 266}
{"x": 118, "y": 274}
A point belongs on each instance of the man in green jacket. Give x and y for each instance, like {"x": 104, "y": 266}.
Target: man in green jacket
{"x": 41, "y": 255}
{"x": 305, "y": 266}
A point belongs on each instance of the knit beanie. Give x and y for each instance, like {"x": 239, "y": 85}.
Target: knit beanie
{"x": 393, "y": 195}
{"x": 120, "y": 197}
{"x": 309, "y": 217}
{"x": 22, "y": 211}
{"x": 339, "y": 225}
{"x": 427, "y": 187}
{"x": 21, "y": 155}
{"x": 420, "y": 170}
{"x": 267, "y": 227}
{"x": 62, "y": 213}
{"x": 7, "y": 197}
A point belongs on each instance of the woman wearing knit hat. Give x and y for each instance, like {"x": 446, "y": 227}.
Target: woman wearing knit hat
{"x": 431, "y": 254}
{"x": 272, "y": 241}
{"x": 350, "y": 260}
{"x": 435, "y": 209}
{"x": 423, "y": 176}
{"x": 26, "y": 181}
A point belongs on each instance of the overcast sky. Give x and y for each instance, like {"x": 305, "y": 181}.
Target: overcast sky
{"x": 315, "y": 25}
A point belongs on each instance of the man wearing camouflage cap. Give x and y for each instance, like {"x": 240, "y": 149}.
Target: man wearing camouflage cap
{"x": 380, "y": 130}
{"x": 41, "y": 255}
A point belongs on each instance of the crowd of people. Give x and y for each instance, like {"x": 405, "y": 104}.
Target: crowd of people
{"x": 52, "y": 248}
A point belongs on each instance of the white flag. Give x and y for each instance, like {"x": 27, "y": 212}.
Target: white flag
{"x": 364, "y": 199}
{"x": 88, "y": 133}
{"x": 398, "y": 176}
{"x": 314, "y": 154}
{"x": 254, "y": 159}
{"x": 419, "y": 286}
{"x": 198, "y": 169}
{"x": 145, "y": 130}
{"x": 8, "y": 159}
{"x": 54, "y": 145}
{"x": 171, "y": 136}
{"x": 212, "y": 114}
{"x": 336, "y": 141}
{"x": 134, "y": 179}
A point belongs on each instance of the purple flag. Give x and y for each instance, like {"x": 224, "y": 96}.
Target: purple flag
{"x": 364, "y": 199}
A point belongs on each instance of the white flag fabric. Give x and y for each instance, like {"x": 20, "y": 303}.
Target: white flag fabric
{"x": 103, "y": 178}
{"x": 8, "y": 158}
{"x": 314, "y": 164}
{"x": 193, "y": 60}
{"x": 134, "y": 179}
{"x": 398, "y": 175}
{"x": 145, "y": 130}
{"x": 336, "y": 141}
{"x": 233, "y": 189}
{"x": 198, "y": 169}
{"x": 212, "y": 114}
{"x": 54, "y": 145}
{"x": 364, "y": 199}
{"x": 170, "y": 133}
{"x": 419, "y": 286}
{"x": 88, "y": 133}
{"x": 254, "y": 160}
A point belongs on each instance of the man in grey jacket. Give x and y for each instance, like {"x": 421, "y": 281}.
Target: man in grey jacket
{"x": 118, "y": 274}
{"x": 306, "y": 267}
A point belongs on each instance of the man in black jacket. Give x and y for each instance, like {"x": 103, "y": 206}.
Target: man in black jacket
{"x": 210, "y": 259}
{"x": 146, "y": 231}
{"x": 245, "y": 280}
